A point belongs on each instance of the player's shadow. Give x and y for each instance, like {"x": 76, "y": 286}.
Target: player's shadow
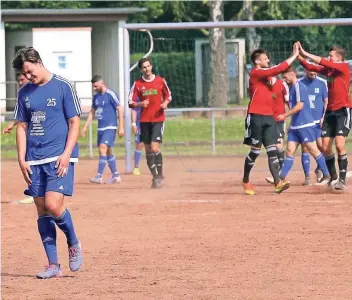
{"x": 28, "y": 275}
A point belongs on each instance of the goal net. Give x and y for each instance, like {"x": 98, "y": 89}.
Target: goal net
{"x": 207, "y": 72}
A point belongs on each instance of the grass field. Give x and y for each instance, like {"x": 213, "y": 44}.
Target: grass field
{"x": 182, "y": 136}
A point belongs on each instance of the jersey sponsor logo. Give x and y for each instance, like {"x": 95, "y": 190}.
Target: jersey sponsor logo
{"x": 51, "y": 102}
{"x": 150, "y": 92}
{"x": 38, "y": 117}
{"x": 311, "y": 99}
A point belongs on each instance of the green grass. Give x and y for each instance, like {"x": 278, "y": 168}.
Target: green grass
{"x": 181, "y": 137}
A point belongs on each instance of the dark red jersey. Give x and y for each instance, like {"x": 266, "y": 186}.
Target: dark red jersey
{"x": 155, "y": 91}
{"x": 280, "y": 90}
{"x": 338, "y": 77}
{"x": 261, "y": 89}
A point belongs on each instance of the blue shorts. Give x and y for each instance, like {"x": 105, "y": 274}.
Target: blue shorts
{"x": 317, "y": 131}
{"x": 138, "y": 135}
{"x": 302, "y": 135}
{"x": 44, "y": 179}
{"x": 106, "y": 137}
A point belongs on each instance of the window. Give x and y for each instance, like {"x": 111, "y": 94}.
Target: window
{"x": 62, "y": 61}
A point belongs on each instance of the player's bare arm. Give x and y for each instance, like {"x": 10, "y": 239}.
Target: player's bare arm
{"x": 21, "y": 141}
{"x": 298, "y": 107}
{"x": 134, "y": 121}
{"x": 90, "y": 118}
{"x": 121, "y": 121}
{"x": 326, "y": 100}
{"x": 73, "y": 134}
{"x": 11, "y": 126}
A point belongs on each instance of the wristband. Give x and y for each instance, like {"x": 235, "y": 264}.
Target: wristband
{"x": 134, "y": 124}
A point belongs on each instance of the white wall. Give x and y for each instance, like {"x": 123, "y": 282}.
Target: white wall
{"x": 13, "y": 39}
{"x": 2, "y": 68}
{"x": 67, "y": 52}
{"x": 105, "y": 60}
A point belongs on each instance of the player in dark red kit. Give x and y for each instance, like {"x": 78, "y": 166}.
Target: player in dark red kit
{"x": 337, "y": 119}
{"x": 260, "y": 122}
{"x": 152, "y": 94}
{"x": 281, "y": 97}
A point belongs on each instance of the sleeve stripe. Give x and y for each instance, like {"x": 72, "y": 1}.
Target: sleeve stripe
{"x": 298, "y": 95}
{"x": 170, "y": 97}
{"x": 114, "y": 96}
{"x": 76, "y": 100}
{"x": 15, "y": 111}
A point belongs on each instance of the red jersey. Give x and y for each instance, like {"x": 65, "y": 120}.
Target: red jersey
{"x": 261, "y": 89}
{"x": 155, "y": 91}
{"x": 338, "y": 77}
{"x": 280, "y": 90}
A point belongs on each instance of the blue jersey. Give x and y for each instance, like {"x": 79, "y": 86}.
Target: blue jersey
{"x": 317, "y": 91}
{"x": 105, "y": 106}
{"x": 304, "y": 118}
{"x": 47, "y": 108}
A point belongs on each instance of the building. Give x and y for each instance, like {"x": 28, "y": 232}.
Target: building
{"x": 76, "y": 43}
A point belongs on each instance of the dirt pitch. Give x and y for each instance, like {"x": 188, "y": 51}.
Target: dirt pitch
{"x": 197, "y": 238}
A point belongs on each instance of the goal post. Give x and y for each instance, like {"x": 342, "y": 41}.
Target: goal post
{"x": 194, "y": 83}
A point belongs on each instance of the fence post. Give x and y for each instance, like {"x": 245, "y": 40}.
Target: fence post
{"x": 90, "y": 141}
{"x": 213, "y": 138}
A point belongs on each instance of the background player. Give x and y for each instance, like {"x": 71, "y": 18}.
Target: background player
{"x": 136, "y": 126}
{"x": 318, "y": 101}
{"x": 260, "y": 122}
{"x": 337, "y": 119}
{"x": 48, "y": 114}
{"x": 302, "y": 127}
{"x": 104, "y": 106}
{"x": 152, "y": 94}
{"x": 21, "y": 81}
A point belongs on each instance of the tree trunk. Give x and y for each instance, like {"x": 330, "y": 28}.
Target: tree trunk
{"x": 251, "y": 35}
{"x": 219, "y": 82}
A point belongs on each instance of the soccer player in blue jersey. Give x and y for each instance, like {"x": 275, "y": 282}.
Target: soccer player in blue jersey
{"x": 302, "y": 127}
{"x": 48, "y": 115}
{"x": 318, "y": 100}
{"x": 105, "y": 106}
{"x": 136, "y": 126}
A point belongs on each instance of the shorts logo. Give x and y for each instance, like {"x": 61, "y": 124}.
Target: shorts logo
{"x": 305, "y": 139}
{"x": 254, "y": 141}
{"x": 158, "y": 138}
{"x": 106, "y": 142}
{"x": 340, "y": 131}
{"x": 61, "y": 187}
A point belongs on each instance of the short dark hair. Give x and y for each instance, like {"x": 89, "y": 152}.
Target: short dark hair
{"x": 28, "y": 54}
{"x": 256, "y": 53}
{"x": 339, "y": 50}
{"x": 289, "y": 70}
{"x": 96, "y": 78}
{"x": 143, "y": 60}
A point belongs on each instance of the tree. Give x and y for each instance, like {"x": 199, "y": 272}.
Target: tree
{"x": 219, "y": 84}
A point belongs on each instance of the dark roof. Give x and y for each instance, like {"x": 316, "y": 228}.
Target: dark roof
{"x": 66, "y": 14}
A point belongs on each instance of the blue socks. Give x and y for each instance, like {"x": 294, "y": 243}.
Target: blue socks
{"x": 112, "y": 165}
{"x": 305, "y": 158}
{"x": 47, "y": 231}
{"x": 102, "y": 164}
{"x": 137, "y": 158}
{"x": 64, "y": 222}
{"x": 286, "y": 167}
{"x": 320, "y": 159}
